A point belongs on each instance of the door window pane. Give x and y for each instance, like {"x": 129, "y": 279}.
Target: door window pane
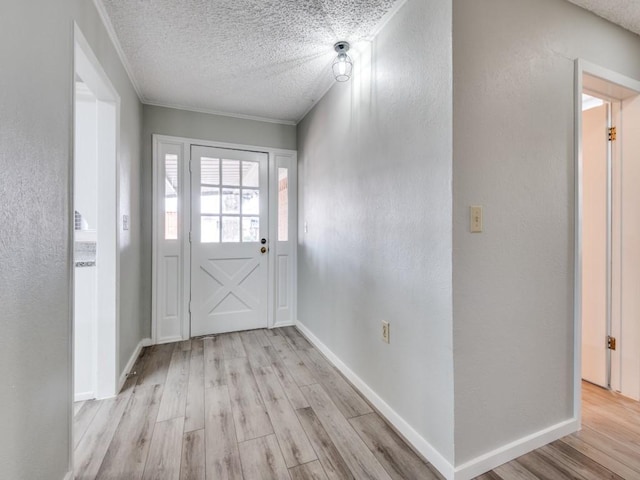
{"x": 210, "y": 171}
{"x": 250, "y": 229}
{"x": 230, "y": 229}
{"x": 250, "y": 174}
{"x": 210, "y": 200}
{"x": 231, "y": 172}
{"x": 283, "y": 204}
{"x": 210, "y": 229}
{"x": 250, "y": 202}
{"x": 231, "y": 200}
{"x": 171, "y": 197}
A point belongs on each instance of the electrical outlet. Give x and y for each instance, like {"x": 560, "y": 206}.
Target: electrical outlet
{"x": 385, "y": 332}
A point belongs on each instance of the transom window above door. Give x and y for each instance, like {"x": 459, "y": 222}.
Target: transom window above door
{"x": 229, "y": 201}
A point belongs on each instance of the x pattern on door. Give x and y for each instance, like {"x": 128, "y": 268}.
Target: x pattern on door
{"x": 230, "y": 285}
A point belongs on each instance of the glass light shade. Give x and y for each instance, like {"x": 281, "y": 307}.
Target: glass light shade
{"x": 342, "y": 67}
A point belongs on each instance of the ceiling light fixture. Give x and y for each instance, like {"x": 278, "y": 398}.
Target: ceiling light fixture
{"x": 342, "y": 65}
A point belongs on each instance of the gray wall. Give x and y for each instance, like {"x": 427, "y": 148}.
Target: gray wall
{"x": 200, "y": 126}
{"x": 513, "y": 153}
{"x": 35, "y": 288}
{"x": 375, "y": 192}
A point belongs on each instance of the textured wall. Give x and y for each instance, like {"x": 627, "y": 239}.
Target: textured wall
{"x": 513, "y": 153}
{"x": 375, "y": 193}
{"x": 36, "y": 51}
{"x": 203, "y": 126}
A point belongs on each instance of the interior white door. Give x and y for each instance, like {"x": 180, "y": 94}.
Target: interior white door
{"x": 229, "y": 247}
{"x": 595, "y": 281}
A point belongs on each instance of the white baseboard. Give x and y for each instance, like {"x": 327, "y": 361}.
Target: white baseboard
{"x": 81, "y": 397}
{"x": 145, "y": 342}
{"x": 468, "y": 470}
{"x": 508, "y": 452}
{"x": 413, "y": 437}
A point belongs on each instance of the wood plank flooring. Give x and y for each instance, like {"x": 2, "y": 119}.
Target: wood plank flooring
{"x": 267, "y": 405}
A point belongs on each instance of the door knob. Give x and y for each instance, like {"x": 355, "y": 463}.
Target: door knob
{"x": 263, "y": 250}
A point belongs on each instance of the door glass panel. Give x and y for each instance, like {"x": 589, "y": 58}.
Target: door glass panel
{"x": 171, "y": 197}
{"x": 250, "y": 229}
{"x": 230, "y": 229}
{"x": 250, "y": 202}
{"x": 230, "y": 200}
{"x": 250, "y": 174}
{"x": 210, "y": 229}
{"x": 210, "y": 171}
{"x": 283, "y": 204}
{"x": 231, "y": 172}
{"x": 210, "y": 200}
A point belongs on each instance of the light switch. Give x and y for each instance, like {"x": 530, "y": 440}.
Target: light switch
{"x": 125, "y": 222}
{"x": 475, "y": 212}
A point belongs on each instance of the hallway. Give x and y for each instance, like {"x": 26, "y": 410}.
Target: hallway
{"x": 255, "y": 404}
{"x": 265, "y": 404}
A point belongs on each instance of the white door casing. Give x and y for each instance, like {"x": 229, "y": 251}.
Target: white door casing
{"x": 625, "y": 248}
{"x": 88, "y": 68}
{"x": 229, "y": 264}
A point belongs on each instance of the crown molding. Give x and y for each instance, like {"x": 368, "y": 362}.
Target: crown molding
{"x": 386, "y": 19}
{"x": 106, "y": 21}
{"x": 219, "y": 113}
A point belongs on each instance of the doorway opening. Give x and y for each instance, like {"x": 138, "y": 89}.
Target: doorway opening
{"x": 607, "y": 304}
{"x": 95, "y": 200}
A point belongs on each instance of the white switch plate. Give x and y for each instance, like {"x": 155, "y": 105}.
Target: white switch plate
{"x": 475, "y": 213}
{"x": 385, "y": 332}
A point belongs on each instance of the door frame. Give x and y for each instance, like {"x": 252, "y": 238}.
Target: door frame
{"x": 176, "y": 329}
{"x": 88, "y": 67}
{"x": 583, "y": 67}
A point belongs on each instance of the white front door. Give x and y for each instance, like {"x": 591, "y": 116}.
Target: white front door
{"x": 229, "y": 249}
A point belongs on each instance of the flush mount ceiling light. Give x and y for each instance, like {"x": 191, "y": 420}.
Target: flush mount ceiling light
{"x": 342, "y": 65}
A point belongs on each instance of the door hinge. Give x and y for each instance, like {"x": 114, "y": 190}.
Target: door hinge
{"x": 612, "y": 134}
{"x": 611, "y": 343}
{"x": 189, "y": 307}
{"x": 189, "y": 237}
{"x": 190, "y": 171}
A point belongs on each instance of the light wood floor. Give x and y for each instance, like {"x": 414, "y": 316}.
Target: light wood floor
{"x": 265, "y": 404}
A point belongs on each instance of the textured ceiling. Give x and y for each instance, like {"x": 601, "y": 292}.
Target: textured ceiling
{"x": 625, "y": 13}
{"x": 261, "y": 58}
